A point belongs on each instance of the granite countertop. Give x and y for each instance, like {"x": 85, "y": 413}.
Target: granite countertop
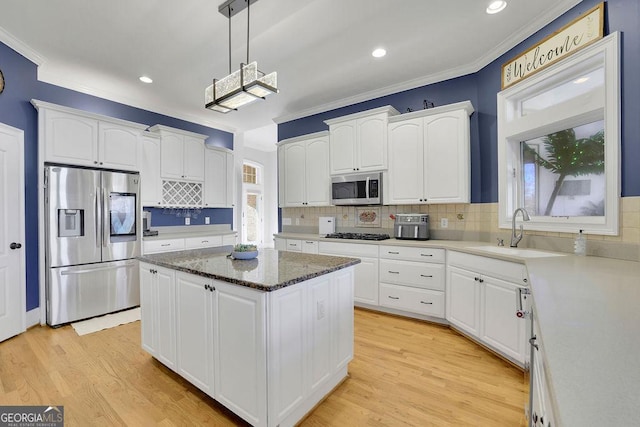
{"x": 587, "y": 311}
{"x": 270, "y": 271}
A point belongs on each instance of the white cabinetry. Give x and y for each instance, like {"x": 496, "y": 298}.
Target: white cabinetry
{"x": 181, "y": 154}
{"x": 540, "y": 395}
{"x": 366, "y": 273}
{"x": 359, "y": 141}
{"x": 240, "y": 345}
{"x": 240, "y": 354}
{"x": 481, "y": 301}
{"x": 181, "y": 243}
{"x": 280, "y": 244}
{"x": 304, "y": 170}
{"x": 194, "y": 330}
{"x": 413, "y": 279}
{"x": 157, "y": 305}
{"x": 294, "y": 245}
{"x": 80, "y": 138}
{"x": 218, "y": 177}
{"x": 310, "y": 246}
{"x": 429, "y": 149}
{"x": 150, "y": 182}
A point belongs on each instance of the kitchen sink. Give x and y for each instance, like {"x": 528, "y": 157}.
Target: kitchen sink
{"x": 522, "y": 253}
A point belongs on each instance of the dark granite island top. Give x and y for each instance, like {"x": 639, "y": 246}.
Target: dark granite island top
{"x": 270, "y": 271}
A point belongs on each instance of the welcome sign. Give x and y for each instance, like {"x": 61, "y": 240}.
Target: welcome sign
{"x": 574, "y": 36}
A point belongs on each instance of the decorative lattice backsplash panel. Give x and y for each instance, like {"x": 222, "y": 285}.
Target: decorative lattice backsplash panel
{"x": 181, "y": 194}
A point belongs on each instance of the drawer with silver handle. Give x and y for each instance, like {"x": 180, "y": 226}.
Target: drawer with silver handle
{"x": 421, "y": 301}
{"x": 412, "y": 253}
{"x": 408, "y": 273}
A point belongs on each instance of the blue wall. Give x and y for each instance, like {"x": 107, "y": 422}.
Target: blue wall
{"x": 16, "y": 110}
{"x": 161, "y": 217}
{"x": 481, "y": 89}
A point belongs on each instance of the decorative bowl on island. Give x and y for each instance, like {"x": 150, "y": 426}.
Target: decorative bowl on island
{"x": 242, "y": 251}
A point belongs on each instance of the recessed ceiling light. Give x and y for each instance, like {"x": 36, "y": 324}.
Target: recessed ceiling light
{"x": 496, "y": 6}
{"x": 379, "y": 52}
{"x": 581, "y": 80}
{"x": 145, "y": 79}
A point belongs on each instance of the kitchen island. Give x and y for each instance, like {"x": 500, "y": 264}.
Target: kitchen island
{"x": 268, "y": 338}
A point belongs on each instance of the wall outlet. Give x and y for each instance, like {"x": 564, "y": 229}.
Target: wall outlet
{"x": 187, "y": 221}
{"x": 207, "y": 220}
{"x": 286, "y": 221}
{"x": 444, "y": 223}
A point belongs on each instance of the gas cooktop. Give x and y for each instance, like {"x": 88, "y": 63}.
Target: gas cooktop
{"x": 358, "y": 236}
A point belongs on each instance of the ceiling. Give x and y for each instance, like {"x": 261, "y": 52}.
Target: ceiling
{"x": 321, "y": 49}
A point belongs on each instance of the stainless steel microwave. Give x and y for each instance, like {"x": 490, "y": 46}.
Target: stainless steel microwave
{"x": 357, "y": 189}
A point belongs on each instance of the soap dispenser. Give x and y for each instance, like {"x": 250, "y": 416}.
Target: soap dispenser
{"x": 580, "y": 245}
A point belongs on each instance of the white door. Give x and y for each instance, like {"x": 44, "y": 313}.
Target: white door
{"x": 195, "y": 330}
{"x": 252, "y": 217}
{"x": 463, "y": 300}
{"x": 12, "y": 273}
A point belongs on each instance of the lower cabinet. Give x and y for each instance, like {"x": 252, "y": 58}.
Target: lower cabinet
{"x": 151, "y": 246}
{"x": 413, "y": 279}
{"x": 194, "y": 330}
{"x": 366, "y": 287}
{"x": 239, "y": 360}
{"x": 541, "y": 411}
{"x": 484, "y": 306}
{"x": 157, "y": 306}
{"x": 269, "y": 357}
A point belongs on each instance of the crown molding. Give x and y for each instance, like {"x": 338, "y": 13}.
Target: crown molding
{"x": 21, "y": 47}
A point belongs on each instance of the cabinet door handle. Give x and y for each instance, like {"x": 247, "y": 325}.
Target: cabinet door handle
{"x": 394, "y": 297}
{"x": 481, "y": 280}
{"x": 532, "y": 341}
{"x": 426, "y": 275}
{"x": 426, "y": 254}
{"x": 394, "y": 272}
{"x": 393, "y": 253}
{"x": 165, "y": 244}
{"x": 205, "y": 241}
{"x": 206, "y": 287}
{"x": 306, "y": 241}
{"x": 476, "y": 279}
{"x": 424, "y": 302}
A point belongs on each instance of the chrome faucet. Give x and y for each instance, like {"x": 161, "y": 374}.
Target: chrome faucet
{"x": 515, "y": 238}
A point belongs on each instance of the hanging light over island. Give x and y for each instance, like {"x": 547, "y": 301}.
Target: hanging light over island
{"x": 244, "y": 85}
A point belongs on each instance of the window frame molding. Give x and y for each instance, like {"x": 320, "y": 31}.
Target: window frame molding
{"x": 597, "y": 104}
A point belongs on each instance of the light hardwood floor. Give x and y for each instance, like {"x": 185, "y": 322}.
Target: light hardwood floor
{"x": 405, "y": 372}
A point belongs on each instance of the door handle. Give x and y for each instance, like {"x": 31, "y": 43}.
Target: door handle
{"x": 15, "y": 245}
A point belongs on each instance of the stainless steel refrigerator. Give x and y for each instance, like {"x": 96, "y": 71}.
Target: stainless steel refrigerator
{"x": 92, "y": 236}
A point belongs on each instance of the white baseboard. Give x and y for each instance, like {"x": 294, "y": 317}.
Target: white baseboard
{"x": 33, "y": 317}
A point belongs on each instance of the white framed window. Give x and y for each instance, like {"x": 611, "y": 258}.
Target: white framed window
{"x": 559, "y": 144}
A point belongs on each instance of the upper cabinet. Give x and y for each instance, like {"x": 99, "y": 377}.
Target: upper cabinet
{"x": 150, "y": 182}
{"x": 304, "y": 171}
{"x": 181, "y": 154}
{"x": 429, "y": 160}
{"x": 218, "y": 177}
{"x": 358, "y": 142}
{"x": 79, "y": 138}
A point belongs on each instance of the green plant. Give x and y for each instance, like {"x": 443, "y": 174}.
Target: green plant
{"x": 568, "y": 156}
{"x": 241, "y": 247}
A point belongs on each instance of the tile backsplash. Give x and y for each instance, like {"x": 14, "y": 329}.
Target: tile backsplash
{"x": 479, "y": 221}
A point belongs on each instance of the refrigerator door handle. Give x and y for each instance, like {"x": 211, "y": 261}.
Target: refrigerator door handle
{"x": 105, "y": 218}
{"x": 98, "y": 216}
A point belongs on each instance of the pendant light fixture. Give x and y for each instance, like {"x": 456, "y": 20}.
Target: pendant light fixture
{"x": 244, "y": 85}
